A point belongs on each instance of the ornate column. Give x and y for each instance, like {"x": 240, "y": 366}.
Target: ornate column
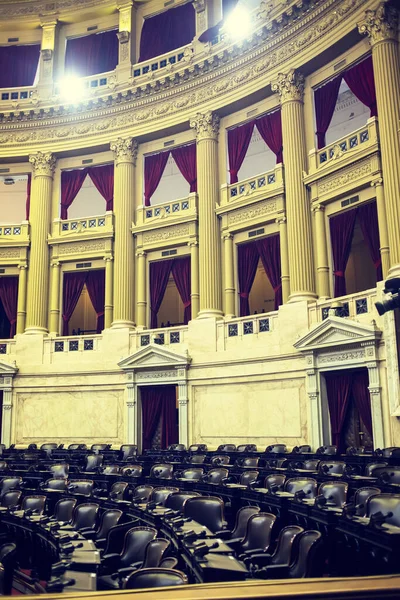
{"x": 125, "y": 153}
{"x": 382, "y": 224}
{"x": 281, "y": 221}
{"x": 131, "y": 411}
{"x": 141, "y": 307}
{"x": 229, "y": 275}
{"x": 21, "y": 307}
{"x": 127, "y": 39}
{"x": 7, "y": 413}
{"x": 290, "y": 87}
{"x": 322, "y": 253}
{"x": 202, "y": 9}
{"x": 55, "y": 298}
{"x": 183, "y": 413}
{"x": 46, "y": 69}
{"x": 194, "y": 277}
{"x": 381, "y": 27}
{"x": 108, "y": 305}
{"x": 38, "y": 281}
{"x": 207, "y": 127}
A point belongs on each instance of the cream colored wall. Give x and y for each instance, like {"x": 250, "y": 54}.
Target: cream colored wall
{"x": 13, "y": 201}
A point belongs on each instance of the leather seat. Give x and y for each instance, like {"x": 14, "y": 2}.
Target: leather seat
{"x": 226, "y": 448}
{"x": 305, "y": 448}
{"x": 85, "y": 516}
{"x": 194, "y": 474}
{"x": 248, "y": 478}
{"x": 242, "y": 518}
{"x": 159, "y": 495}
{"x": 176, "y": 500}
{"x": 332, "y": 493}
{"x": 8, "y": 560}
{"x": 274, "y": 483}
{"x": 215, "y": 476}
{"x": 358, "y": 506}
{"x": 3, "y": 465}
{"x": 246, "y": 448}
{"x": 387, "y": 475}
{"x": 195, "y": 459}
{"x": 77, "y": 447}
{"x": 385, "y": 504}
{"x": 309, "y": 561}
{"x": 127, "y": 451}
{"x": 35, "y": 504}
{"x": 219, "y": 460}
{"x": 177, "y": 447}
{"x": 118, "y": 490}
{"x": 110, "y": 470}
{"x": 198, "y": 448}
{"x": 258, "y": 534}
{"x": 284, "y": 550}
{"x": 326, "y": 467}
{"x": 249, "y": 461}
{"x": 142, "y": 493}
{"x": 388, "y": 452}
{"x": 82, "y": 487}
{"x": 11, "y": 499}
{"x": 10, "y": 483}
{"x": 100, "y": 447}
{"x": 306, "y": 485}
{"x": 206, "y": 511}
{"x": 116, "y": 537}
{"x": 162, "y": 471}
{"x": 133, "y": 551}
{"x": 276, "y": 449}
{"x": 59, "y": 485}
{"x": 64, "y": 509}
{"x": 93, "y": 462}
{"x": 48, "y": 447}
{"x": 310, "y": 465}
{"x": 60, "y": 470}
{"x": 370, "y": 468}
{"x": 330, "y": 450}
{"x": 109, "y": 518}
{"x": 154, "y": 578}
{"x": 132, "y": 470}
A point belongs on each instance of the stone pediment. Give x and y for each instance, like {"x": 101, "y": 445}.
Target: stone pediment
{"x": 154, "y": 356}
{"x": 8, "y": 370}
{"x": 336, "y": 331}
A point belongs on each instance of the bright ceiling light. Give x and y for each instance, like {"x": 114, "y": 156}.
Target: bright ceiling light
{"x": 71, "y": 89}
{"x": 238, "y": 23}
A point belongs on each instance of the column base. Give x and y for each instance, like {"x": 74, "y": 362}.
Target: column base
{"x": 120, "y": 324}
{"x": 210, "y": 314}
{"x": 36, "y": 331}
{"x": 394, "y": 271}
{"x": 302, "y": 297}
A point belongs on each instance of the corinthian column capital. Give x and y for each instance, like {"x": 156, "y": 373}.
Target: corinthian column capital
{"x": 380, "y": 24}
{"x": 43, "y": 163}
{"x": 289, "y": 86}
{"x": 125, "y": 150}
{"x": 206, "y": 125}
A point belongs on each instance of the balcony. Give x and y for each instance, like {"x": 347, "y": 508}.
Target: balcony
{"x": 72, "y": 230}
{"x": 254, "y": 188}
{"x": 359, "y": 306}
{"x": 14, "y": 235}
{"x": 164, "y": 64}
{"x": 175, "y": 337}
{"x": 18, "y": 97}
{"x": 92, "y": 85}
{"x": 253, "y": 332}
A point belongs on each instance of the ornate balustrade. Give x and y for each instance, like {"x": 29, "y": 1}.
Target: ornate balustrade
{"x": 64, "y": 230}
{"x": 359, "y": 306}
{"x": 78, "y": 344}
{"x": 14, "y": 234}
{"x": 167, "y": 212}
{"x": 166, "y": 63}
{"x": 163, "y": 336}
{"x": 251, "y": 327}
{"x": 17, "y": 96}
{"x": 92, "y": 85}
{"x": 254, "y": 188}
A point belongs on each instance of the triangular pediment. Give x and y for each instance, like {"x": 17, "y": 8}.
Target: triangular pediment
{"x": 8, "y": 370}
{"x": 336, "y": 331}
{"x": 154, "y": 356}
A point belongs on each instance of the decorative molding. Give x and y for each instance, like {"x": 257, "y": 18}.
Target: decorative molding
{"x": 289, "y": 86}
{"x": 9, "y": 253}
{"x": 82, "y": 247}
{"x": 165, "y": 234}
{"x": 157, "y": 375}
{"x": 125, "y": 150}
{"x": 261, "y": 209}
{"x": 206, "y": 125}
{"x": 341, "y": 356}
{"x": 44, "y": 164}
{"x": 349, "y": 175}
{"x": 380, "y": 24}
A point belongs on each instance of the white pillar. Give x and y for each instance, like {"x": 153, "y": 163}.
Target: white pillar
{"x": 131, "y": 412}
{"x": 375, "y": 389}
{"x": 6, "y": 418}
{"x": 183, "y": 413}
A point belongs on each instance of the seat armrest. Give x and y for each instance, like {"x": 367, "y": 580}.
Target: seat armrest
{"x": 84, "y": 530}
{"x": 277, "y": 571}
{"x": 224, "y": 534}
{"x": 259, "y": 559}
{"x": 248, "y": 553}
{"x": 89, "y": 535}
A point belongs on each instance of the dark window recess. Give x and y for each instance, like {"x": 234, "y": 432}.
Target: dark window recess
{"x": 92, "y": 28}
{"x": 256, "y": 232}
{"x": 168, "y": 252}
{"x": 168, "y": 143}
{"x": 87, "y": 161}
{"x": 2, "y": 271}
{"x": 4, "y": 170}
{"x": 11, "y": 40}
{"x": 83, "y": 265}
{"x": 349, "y": 201}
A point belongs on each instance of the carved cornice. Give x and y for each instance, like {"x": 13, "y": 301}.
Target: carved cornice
{"x": 289, "y": 86}
{"x": 206, "y": 125}
{"x": 380, "y": 24}
{"x": 43, "y": 163}
{"x": 125, "y": 150}
{"x": 34, "y": 8}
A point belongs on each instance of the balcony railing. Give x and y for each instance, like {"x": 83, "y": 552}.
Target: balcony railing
{"x": 177, "y": 209}
{"x": 93, "y": 84}
{"x": 14, "y": 234}
{"x": 86, "y": 226}
{"x": 166, "y": 61}
{"x": 17, "y": 94}
{"x": 252, "y": 326}
{"x": 83, "y": 343}
{"x": 259, "y": 185}
{"x": 353, "y": 306}
{"x": 163, "y": 336}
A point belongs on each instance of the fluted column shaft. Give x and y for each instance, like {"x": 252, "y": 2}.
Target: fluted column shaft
{"x": 230, "y": 291}
{"x": 55, "y": 298}
{"x": 322, "y": 253}
{"x": 281, "y": 221}
{"x": 21, "y": 307}
{"x": 38, "y": 278}
{"x": 383, "y": 226}
{"x": 125, "y": 153}
{"x": 141, "y": 309}
{"x": 290, "y": 87}
{"x": 207, "y": 127}
{"x": 108, "y": 305}
{"x": 381, "y": 27}
{"x": 194, "y": 278}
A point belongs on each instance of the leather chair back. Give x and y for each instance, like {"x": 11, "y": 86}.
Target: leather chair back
{"x": 169, "y": 563}
{"x": 83, "y": 487}
{"x": 48, "y": 448}
{"x": 160, "y": 494}
{"x": 111, "y": 470}
{"x": 283, "y": 554}
{"x": 11, "y": 499}
{"x": 385, "y": 504}
{"x": 361, "y": 498}
{"x": 276, "y": 449}
{"x": 155, "y": 551}
{"x": 311, "y": 464}
{"x": 155, "y": 578}
{"x": 326, "y": 466}
{"x": 85, "y": 515}
{"x": 242, "y": 517}
{"x": 64, "y": 509}
{"x": 370, "y": 468}
{"x": 118, "y": 490}
{"x": 177, "y": 447}
{"x": 388, "y": 474}
{"x": 305, "y": 448}
{"x": 330, "y": 450}
{"x": 304, "y": 484}
{"x": 195, "y": 459}
{"x": 248, "y": 477}
{"x": 93, "y": 462}
{"x": 176, "y": 500}
{"x": 132, "y": 470}
{"x": 258, "y": 532}
{"x": 272, "y": 481}
{"x": 355, "y": 450}
{"x": 116, "y": 537}
{"x": 142, "y": 493}
{"x": 335, "y": 492}
{"x": 109, "y": 518}
{"x": 194, "y": 474}
{"x": 246, "y": 448}
{"x": 74, "y": 447}
{"x": 249, "y": 461}
{"x": 198, "y": 448}
{"x": 135, "y": 544}
{"x": 8, "y": 558}
{"x": 219, "y": 460}
{"x": 3, "y": 465}
{"x": 127, "y": 451}
{"x": 99, "y": 447}
{"x": 60, "y": 470}
{"x": 310, "y": 557}
{"x": 226, "y": 448}
{"x": 10, "y": 483}
{"x": 36, "y": 503}
{"x": 208, "y": 511}
{"x": 162, "y": 471}
{"x": 216, "y": 476}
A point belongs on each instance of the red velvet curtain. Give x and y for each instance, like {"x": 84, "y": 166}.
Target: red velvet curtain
{"x": 269, "y": 249}
{"x": 72, "y": 289}
{"x": 341, "y": 228}
{"x": 185, "y": 158}
{"x": 181, "y": 274}
{"x": 360, "y": 80}
{"x": 154, "y": 166}
{"x": 338, "y": 387}
{"x": 103, "y": 179}
{"x": 247, "y": 266}
{"x": 151, "y": 400}
{"x": 96, "y": 286}
{"x": 159, "y": 275}
{"x": 325, "y": 98}
{"x": 167, "y": 31}
{"x": 18, "y": 65}
{"x": 368, "y": 217}
{"x": 238, "y": 143}
{"x": 270, "y": 128}
{"x": 362, "y": 397}
{"x": 9, "y": 299}
{"x": 28, "y": 196}
{"x": 92, "y": 54}
{"x": 169, "y": 429}
{"x": 71, "y": 183}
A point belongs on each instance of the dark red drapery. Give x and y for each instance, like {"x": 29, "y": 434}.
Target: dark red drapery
{"x": 338, "y": 387}
{"x": 360, "y": 80}
{"x": 159, "y": 275}
{"x": 368, "y": 217}
{"x": 167, "y": 31}
{"x": 154, "y": 166}
{"x": 72, "y": 289}
{"x": 71, "y": 183}
{"x": 212, "y": 32}
{"x": 247, "y": 266}
{"x": 18, "y": 65}
{"x": 92, "y": 54}
{"x": 28, "y": 196}
{"x": 269, "y": 249}
{"x": 362, "y": 398}
{"x": 238, "y": 143}
{"x": 270, "y": 128}
{"x": 9, "y": 300}
{"x": 181, "y": 274}
{"x": 325, "y": 98}
{"x": 185, "y": 158}
{"x": 103, "y": 179}
{"x": 341, "y": 228}
{"x": 96, "y": 287}
{"x": 159, "y": 402}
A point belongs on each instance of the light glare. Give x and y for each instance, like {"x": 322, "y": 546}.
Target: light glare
{"x": 72, "y": 89}
{"x": 238, "y": 23}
